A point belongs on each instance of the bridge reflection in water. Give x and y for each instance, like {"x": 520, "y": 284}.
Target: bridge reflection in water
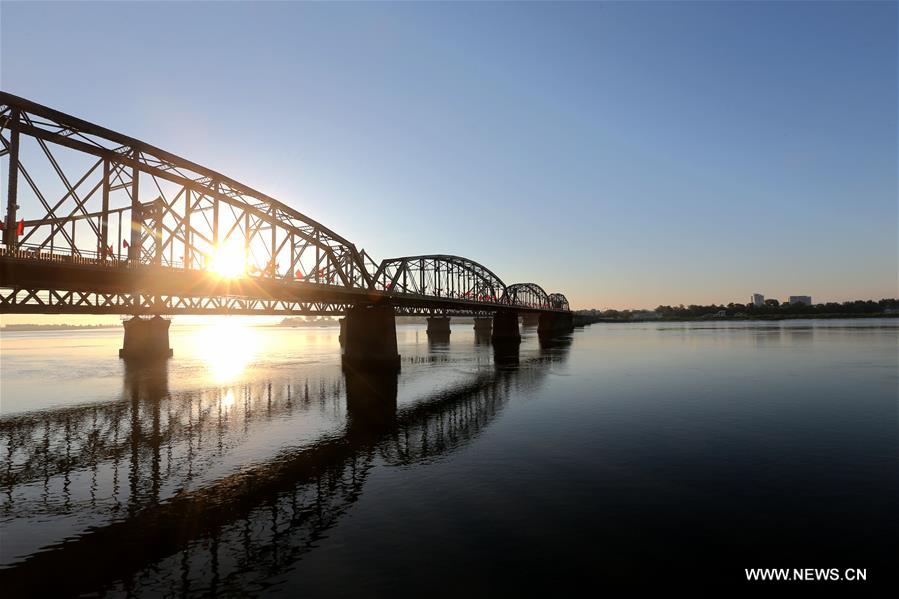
{"x": 174, "y": 528}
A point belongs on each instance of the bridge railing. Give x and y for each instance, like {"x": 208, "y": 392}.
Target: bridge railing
{"x": 66, "y": 255}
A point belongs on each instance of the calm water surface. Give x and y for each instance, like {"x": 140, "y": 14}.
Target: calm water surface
{"x": 251, "y": 463}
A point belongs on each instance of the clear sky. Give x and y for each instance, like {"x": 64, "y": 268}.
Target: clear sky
{"x": 626, "y": 154}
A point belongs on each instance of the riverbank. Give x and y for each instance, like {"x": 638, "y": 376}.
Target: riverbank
{"x": 764, "y": 317}
{"x": 56, "y": 327}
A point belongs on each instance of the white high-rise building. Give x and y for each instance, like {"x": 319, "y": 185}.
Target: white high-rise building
{"x": 801, "y": 299}
{"x": 757, "y": 300}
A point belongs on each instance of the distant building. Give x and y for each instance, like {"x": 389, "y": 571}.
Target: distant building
{"x": 801, "y": 299}
{"x": 757, "y": 300}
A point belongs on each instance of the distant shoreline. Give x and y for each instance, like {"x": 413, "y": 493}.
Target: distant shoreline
{"x": 738, "y": 318}
{"x": 55, "y": 327}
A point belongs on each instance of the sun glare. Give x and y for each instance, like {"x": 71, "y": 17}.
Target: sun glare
{"x": 229, "y": 261}
{"x": 227, "y": 346}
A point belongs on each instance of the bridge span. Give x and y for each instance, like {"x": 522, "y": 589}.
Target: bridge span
{"x": 97, "y": 222}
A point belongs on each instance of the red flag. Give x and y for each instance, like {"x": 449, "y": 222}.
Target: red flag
{"x": 20, "y": 228}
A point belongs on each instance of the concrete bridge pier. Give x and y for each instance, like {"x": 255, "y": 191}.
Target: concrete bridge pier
{"x": 553, "y": 324}
{"x": 342, "y": 335}
{"x": 482, "y": 325}
{"x": 505, "y": 327}
{"x": 369, "y": 338}
{"x": 439, "y": 326}
{"x": 146, "y": 338}
{"x": 530, "y": 319}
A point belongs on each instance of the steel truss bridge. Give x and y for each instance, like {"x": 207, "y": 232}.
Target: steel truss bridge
{"x": 101, "y": 223}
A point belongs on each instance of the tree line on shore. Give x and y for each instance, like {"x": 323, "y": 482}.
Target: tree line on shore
{"x": 771, "y": 308}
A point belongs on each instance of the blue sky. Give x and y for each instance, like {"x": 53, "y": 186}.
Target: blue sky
{"x": 626, "y": 154}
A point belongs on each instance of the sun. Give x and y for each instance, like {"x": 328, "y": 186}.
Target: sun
{"x": 229, "y": 261}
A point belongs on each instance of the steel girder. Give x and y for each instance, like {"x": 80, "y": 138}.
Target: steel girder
{"x": 54, "y": 301}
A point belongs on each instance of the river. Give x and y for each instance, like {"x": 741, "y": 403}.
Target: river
{"x": 251, "y": 462}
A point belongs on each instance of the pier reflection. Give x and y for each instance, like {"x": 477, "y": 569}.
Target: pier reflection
{"x": 370, "y": 401}
{"x": 148, "y": 457}
{"x": 551, "y": 347}
{"x": 438, "y": 340}
{"x": 506, "y": 356}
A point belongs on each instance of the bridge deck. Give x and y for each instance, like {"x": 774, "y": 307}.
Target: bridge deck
{"x": 92, "y": 286}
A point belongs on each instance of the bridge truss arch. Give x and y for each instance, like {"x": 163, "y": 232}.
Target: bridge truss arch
{"x": 559, "y": 302}
{"x": 530, "y": 295}
{"x": 439, "y": 275}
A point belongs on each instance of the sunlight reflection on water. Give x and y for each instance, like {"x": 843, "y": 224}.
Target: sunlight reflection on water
{"x": 227, "y": 347}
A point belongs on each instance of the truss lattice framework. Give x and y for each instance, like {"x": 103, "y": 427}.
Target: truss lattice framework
{"x": 559, "y": 301}
{"x": 87, "y": 190}
{"x": 52, "y": 301}
{"x": 439, "y": 276}
{"x": 528, "y": 294}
